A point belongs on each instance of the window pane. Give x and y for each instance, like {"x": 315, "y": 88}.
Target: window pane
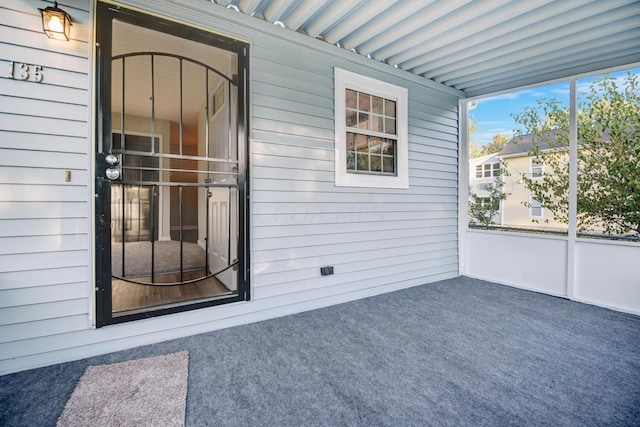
{"x": 351, "y": 161}
{"x": 352, "y": 99}
{"x": 388, "y": 147}
{"x": 364, "y": 103}
{"x": 362, "y": 143}
{"x": 377, "y": 105}
{"x": 388, "y": 164}
{"x": 390, "y": 126}
{"x": 378, "y": 124}
{"x": 608, "y": 196}
{"x": 389, "y": 108}
{"x": 376, "y": 163}
{"x": 540, "y": 118}
{"x": 363, "y": 162}
{"x": 375, "y": 145}
{"x": 351, "y": 141}
{"x": 363, "y": 121}
{"x": 351, "y": 118}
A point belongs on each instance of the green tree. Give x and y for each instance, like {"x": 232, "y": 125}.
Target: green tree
{"x": 495, "y": 146}
{"x": 474, "y": 149}
{"x": 608, "y": 156}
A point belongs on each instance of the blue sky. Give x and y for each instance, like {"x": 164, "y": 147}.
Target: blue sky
{"x": 494, "y": 114}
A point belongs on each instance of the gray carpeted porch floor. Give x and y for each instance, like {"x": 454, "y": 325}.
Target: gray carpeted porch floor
{"x": 457, "y": 352}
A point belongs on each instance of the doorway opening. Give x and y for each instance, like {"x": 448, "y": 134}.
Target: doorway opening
{"x": 171, "y": 188}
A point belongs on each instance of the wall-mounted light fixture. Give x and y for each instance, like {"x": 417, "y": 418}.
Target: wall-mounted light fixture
{"x": 56, "y": 23}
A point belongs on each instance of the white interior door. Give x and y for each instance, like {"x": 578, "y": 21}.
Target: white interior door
{"x": 223, "y": 234}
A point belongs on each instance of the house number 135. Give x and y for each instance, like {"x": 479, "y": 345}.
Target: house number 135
{"x": 22, "y": 71}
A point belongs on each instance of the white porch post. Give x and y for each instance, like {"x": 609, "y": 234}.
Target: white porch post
{"x": 463, "y": 183}
{"x": 573, "y": 189}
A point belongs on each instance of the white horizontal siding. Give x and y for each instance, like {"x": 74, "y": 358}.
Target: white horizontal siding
{"x": 367, "y": 267}
{"x": 44, "y": 277}
{"x": 45, "y": 284}
{"x": 43, "y": 294}
{"x": 43, "y": 142}
{"x": 43, "y": 260}
{"x": 378, "y": 240}
{"x": 42, "y": 313}
{"x": 301, "y": 220}
{"x": 41, "y": 328}
{"x": 43, "y": 209}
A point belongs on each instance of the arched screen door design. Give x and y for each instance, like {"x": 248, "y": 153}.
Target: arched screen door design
{"x": 171, "y": 210}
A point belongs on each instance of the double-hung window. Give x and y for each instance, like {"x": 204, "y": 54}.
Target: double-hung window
{"x": 535, "y": 208}
{"x": 537, "y": 169}
{"x": 371, "y": 132}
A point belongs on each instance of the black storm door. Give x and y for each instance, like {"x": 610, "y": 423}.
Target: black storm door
{"x": 171, "y": 150}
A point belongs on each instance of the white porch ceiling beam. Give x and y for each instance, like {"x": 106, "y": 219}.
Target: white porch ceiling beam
{"x": 302, "y": 12}
{"x": 329, "y": 16}
{"x": 473, "y": 45}
{"x": 249, "y": 6}
{"x": 609, "y": 60}
{"x": 564, "y": 42}
{"x": 358, "y": 18}
{"x": 488, "y": 40}
{"x": 556, "y": 60}
{"x": 421, "y": 18}
{"x": 276, "y": 9}
{"x": 564, "y": 17}
{"x": 399, "y": 52}
{"x": 391, "y": 17}
{"x": 504, "y": 20}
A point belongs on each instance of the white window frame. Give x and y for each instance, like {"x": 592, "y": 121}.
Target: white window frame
{"x": 533, "y": 160}
{"x": 344, "y": 80}
{"x": 493, "y": 170}
{"x": 536, "y": 204}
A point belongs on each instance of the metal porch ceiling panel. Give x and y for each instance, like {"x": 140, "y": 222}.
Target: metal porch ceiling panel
{"x": 477, "y": 46}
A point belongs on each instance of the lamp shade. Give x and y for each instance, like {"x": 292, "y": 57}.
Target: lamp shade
{"x": 56, "y": 23}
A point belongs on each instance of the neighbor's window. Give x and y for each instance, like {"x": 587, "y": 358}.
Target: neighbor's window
{"x": 536, "y": 169}
{"x": 371, "y": 132}
{"x": 535, "y": 208}
{"x": 488, "y": 170}
{"x": 489, "y": 203}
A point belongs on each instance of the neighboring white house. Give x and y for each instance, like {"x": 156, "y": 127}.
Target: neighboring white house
{"x": 521, "y": 209}
{"x": 483, "y": 172}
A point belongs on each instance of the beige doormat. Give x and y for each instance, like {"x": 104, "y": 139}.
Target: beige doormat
{"x": 143, "y": 392}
